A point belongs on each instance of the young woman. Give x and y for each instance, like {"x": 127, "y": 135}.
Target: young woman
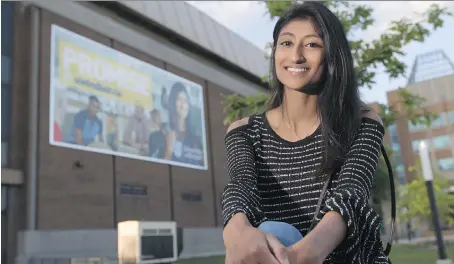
{"x": 316, "y": 127}
{"x": 182, "y": 144}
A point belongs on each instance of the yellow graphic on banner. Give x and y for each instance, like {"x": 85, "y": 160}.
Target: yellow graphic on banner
{"x": 96, "y": 74}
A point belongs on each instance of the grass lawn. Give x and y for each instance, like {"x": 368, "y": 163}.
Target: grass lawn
{"x": 400, "y": 254}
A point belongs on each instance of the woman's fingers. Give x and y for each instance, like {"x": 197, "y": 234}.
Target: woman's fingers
{"x": 277, "y": 249}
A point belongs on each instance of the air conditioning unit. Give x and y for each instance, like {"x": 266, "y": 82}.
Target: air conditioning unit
{"x": 147, "y": 242}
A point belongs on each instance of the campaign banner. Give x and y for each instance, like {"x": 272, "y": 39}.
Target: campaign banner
{"x": 105, "y": 101}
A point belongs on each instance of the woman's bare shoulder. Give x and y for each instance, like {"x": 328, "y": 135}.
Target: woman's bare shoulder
{"x": 238, "y": 123}
{"x": 374, "y": 116}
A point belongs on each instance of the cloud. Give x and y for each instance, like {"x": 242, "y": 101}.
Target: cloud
{"x": 249, "y": 19}
{"x": 385, "y": 12}
{"x": 233, "y": 14}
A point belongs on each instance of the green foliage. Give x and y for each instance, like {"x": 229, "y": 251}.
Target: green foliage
{"x": 414, "y": 201}
{"x": 380, "y": 185}
{"x": 237, "y": 106}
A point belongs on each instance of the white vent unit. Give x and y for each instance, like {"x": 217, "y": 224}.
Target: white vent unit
{"x": 147, "y": 242}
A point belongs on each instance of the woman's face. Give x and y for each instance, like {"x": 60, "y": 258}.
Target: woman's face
{"x": 299, "y": 54}
{"x": 182, "y": 105}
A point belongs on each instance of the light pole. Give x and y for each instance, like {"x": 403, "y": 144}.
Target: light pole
{"x": 428, "y": 177}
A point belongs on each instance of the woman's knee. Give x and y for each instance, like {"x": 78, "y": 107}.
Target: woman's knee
{"x": 284, "y": 232}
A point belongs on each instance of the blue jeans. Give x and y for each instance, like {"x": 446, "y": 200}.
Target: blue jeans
{"x": 285, "y": 233}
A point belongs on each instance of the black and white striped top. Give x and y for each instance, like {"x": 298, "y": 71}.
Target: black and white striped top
{"x": 273, "y": 179}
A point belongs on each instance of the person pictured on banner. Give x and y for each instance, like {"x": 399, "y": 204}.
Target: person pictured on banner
{"x": 87, "y": 125}
{"x": 137, "y": 130}
{"x": 60, "y": 104}
{"x": 157, "y": 138}
{"x": 182, "y": 144}
{"x": 164, "y": 98}
{"x": 112, "y": 131}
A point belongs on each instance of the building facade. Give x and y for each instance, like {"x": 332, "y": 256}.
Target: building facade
{"x": 433, "y": 79}
{"x": 53, "y": 52}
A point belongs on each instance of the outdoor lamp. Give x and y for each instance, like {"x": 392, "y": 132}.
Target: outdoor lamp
{"x": 428, "y": 177}
{"x": 425, "y": 161}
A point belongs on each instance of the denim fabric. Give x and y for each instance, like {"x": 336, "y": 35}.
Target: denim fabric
{"x": 285, "y": 233}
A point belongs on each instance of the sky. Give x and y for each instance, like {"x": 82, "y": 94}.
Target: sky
{"x": 250, "y": 20}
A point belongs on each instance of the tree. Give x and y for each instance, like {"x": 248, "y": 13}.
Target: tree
{"x": 414, "y": 202}
{"x": 369, "y": 57}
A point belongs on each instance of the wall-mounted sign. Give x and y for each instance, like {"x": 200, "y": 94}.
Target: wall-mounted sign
{"x": 133, "y": 189}
{"x": 105, "y": 101}
{"x": 191, "y": 196}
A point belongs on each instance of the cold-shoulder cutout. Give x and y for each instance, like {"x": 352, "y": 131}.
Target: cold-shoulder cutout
{"x": 374, "y": 116}
{"x": 238, "y": 123}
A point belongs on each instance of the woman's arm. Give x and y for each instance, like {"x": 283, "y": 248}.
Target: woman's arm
{"x": 240, "y": 204}
{"x": 241, "y": 194}
{"x": 344, "y": 216}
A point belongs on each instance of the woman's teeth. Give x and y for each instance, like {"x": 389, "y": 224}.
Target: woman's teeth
{"x": 297, "y": 70}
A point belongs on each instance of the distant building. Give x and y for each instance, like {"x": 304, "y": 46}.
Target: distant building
{"x": 89, "y": 101}
{"x": 432, "y": 77}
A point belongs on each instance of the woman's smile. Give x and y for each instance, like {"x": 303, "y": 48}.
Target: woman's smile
{"x": 297, "y": 71}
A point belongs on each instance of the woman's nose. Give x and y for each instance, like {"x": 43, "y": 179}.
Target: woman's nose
{"x": 298, "y": 56}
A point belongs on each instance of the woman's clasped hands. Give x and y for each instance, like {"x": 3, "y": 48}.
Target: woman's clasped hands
{"x": 248, "y": 245}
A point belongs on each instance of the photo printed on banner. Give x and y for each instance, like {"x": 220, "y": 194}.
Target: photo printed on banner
{"x": 105, "y": 101}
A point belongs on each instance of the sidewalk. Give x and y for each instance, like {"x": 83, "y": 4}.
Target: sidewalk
{"x": 423, "y": 239}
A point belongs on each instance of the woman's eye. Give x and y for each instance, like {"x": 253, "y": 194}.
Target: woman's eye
{"x": 313, "y": 45}
{"x": 286, "y": 43}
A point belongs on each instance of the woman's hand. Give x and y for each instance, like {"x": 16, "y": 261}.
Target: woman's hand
{"x": 248, "y": 245}
{"x": 305, "y": 252}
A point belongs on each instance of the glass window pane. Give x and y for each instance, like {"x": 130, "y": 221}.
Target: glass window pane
{"x": 392, "y": 129}
{"x": 441, "y": 142}
{"x": 395, "y": 139}
{"x": 415, "y": 145}
{"x": 6, "y": 111}
{"x": 446, "y": 164}
{"x": 4, "y": 198}
{"x": 4, "y": 154}
{"x": 451, "y": 117}
{"x": 7, "y": 28}
{"x": 416, "y": 127}
{"x": 6, "y": 69}
{"x": 440, "y": 121}
{"x": 398, "y": 159}
{"x": 395, "y": 147}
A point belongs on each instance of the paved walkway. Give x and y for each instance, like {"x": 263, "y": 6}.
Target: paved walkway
{"x": 423, "y": 239}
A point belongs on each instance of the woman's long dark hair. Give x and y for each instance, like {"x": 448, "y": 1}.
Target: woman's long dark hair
{"x": 176, "y": 89}
{"x": 339, "y": 106}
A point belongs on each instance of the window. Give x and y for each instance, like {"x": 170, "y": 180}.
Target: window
{"x": 415, "y": 145}
{"x": 4, "y": 154}
{"x": 393, "y": 133}
{"x": 416, "y": 127}
{"x": 441, "y": 142}
{"x": 392, "y": 129}
{"x": 6, "y": 111}
{"x": 398, "y": 159}
{"x": 6, "y": 69}
{"x": 395, "y": 147}
{"x": 400, "y": 168}
{"x": 446, "y": 164}
{"x": 440, "y": 121}
{"x": 7, "y": 51}
{"x": 7, "y": 28}
{"x": 4, "y": 198}
{"x": 451, "y": 117}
